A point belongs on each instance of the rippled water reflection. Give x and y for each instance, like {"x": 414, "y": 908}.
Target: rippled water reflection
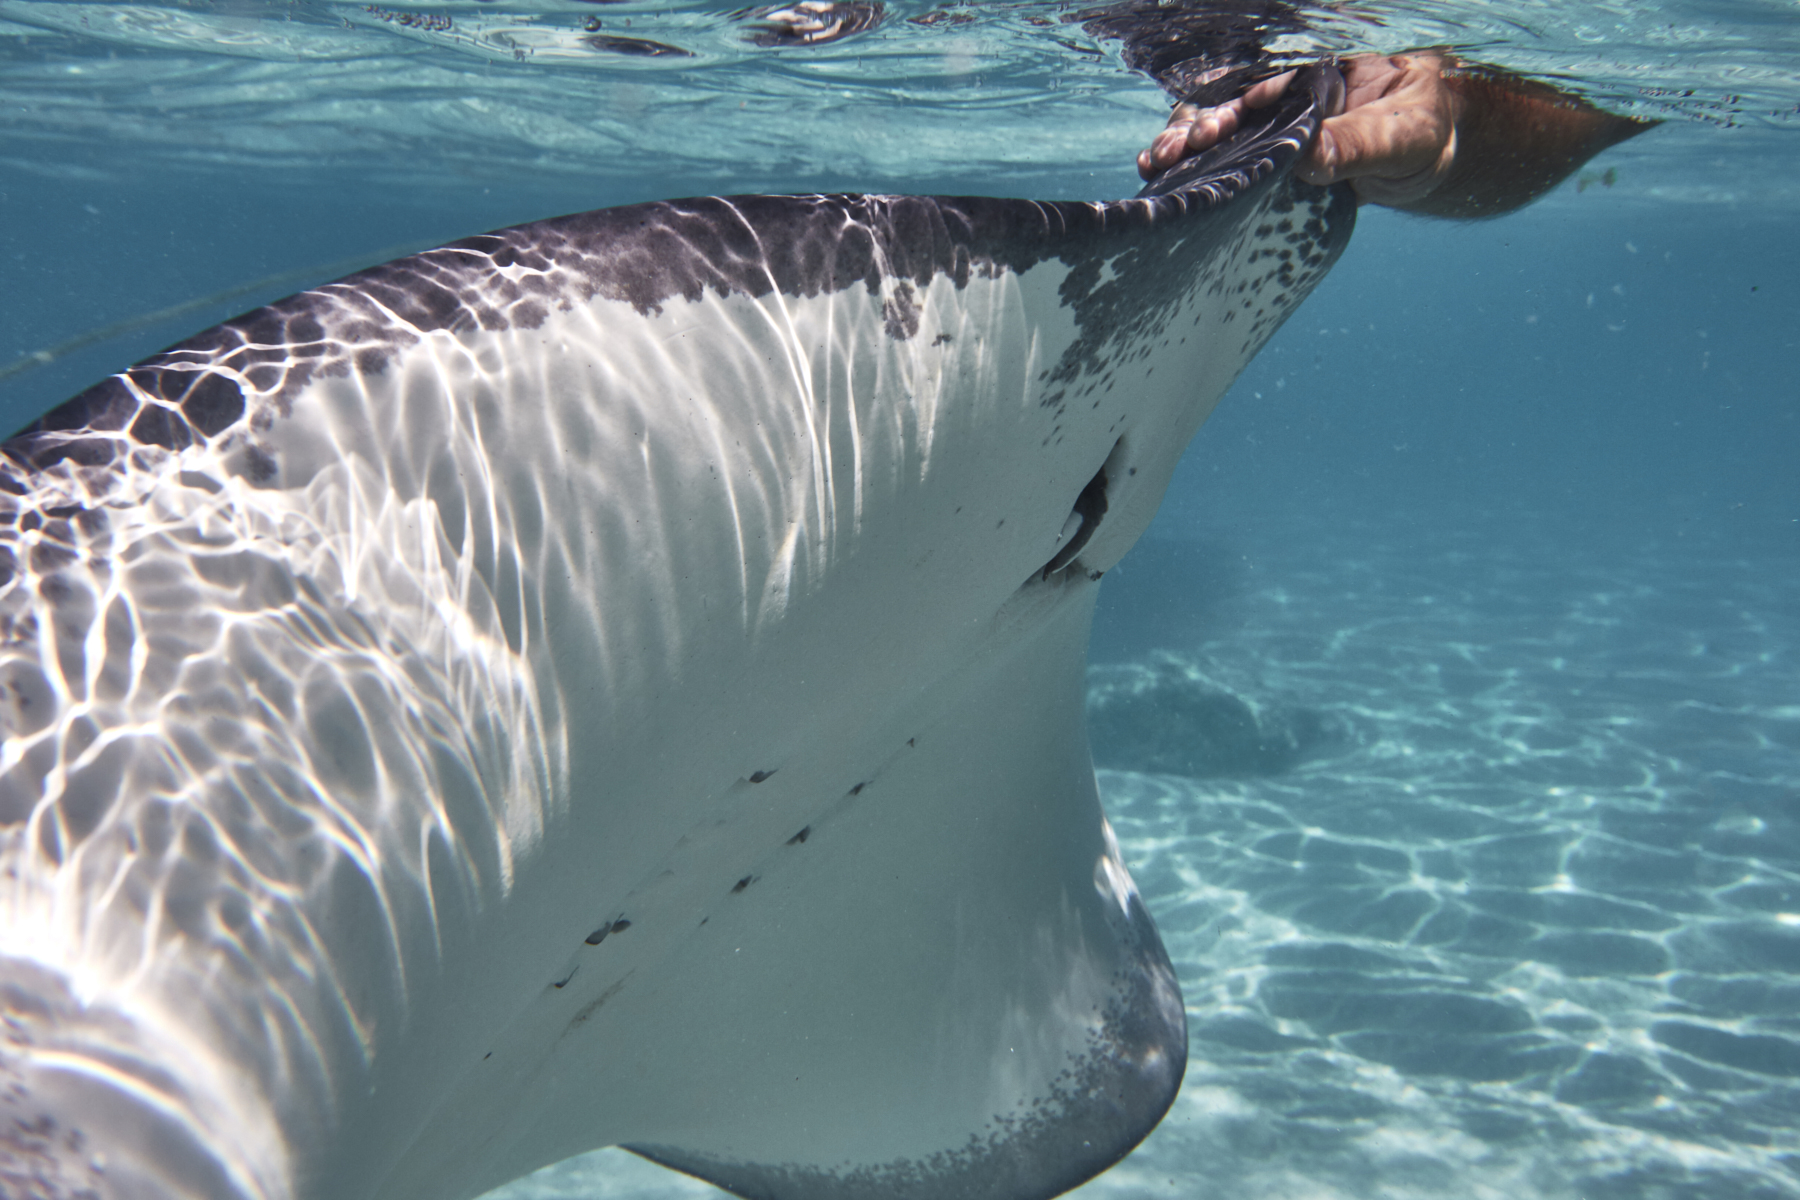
{"x": 469, "y": 90}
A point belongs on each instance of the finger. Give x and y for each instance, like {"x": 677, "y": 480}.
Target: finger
{"x": 1396, "y": 139}
{"x": 1398, "y": 190}
{"x": 1268, "y": 91}
{"x": 1360, "y": 143}
{"x": 1168, "y": 147}
{"x": 1320, "y": 165}
{"x": 1192, "y": 129}
{"x": 1213, "y": 127}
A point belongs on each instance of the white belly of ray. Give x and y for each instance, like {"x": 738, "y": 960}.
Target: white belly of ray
{"x": 790, "y": 457}
{"x": 644, "y": 728}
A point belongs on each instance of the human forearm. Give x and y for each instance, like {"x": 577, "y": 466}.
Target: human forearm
{"x": 1515, "y": 139}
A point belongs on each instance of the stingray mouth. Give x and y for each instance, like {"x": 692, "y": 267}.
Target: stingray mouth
{"x": 1084, "y": 519}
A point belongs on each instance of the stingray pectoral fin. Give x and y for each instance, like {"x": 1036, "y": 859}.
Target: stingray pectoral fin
{"x": 949, "y": 990}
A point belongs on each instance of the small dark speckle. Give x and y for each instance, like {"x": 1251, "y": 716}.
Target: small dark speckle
{"x": 759, "y": 776}
{"x": 912, "y": 741}
{"x": 621, "y": 925}
{"x": 942, "y": 339}
{"x": 1095, "y": 575}
{"x": 487, "y": 1056}
{"x": 857, "y": 790}
{"x": 800, "y": 837}
{"x": 1133, "y": 471}
{"x": 564, "y": 981}
{"x": 259, "y": 465}
{"x": 743, "y": 883}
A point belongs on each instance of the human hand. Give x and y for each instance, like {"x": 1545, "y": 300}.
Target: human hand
{"x": 1191, "y": 129}
{"x": 1394, "y": 140}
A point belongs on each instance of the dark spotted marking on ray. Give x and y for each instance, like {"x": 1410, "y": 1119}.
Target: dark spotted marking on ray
{"x": 601, "y": 934}
{"x": 900, "y": 312}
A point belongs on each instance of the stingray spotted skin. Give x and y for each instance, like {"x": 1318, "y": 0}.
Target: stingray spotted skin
{"x": 614, "y": 681}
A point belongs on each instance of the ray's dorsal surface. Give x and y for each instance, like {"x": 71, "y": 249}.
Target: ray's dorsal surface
{"x": 614, "y": 681}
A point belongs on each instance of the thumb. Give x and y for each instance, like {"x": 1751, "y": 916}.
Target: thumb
{"x": 1320, "y": 165}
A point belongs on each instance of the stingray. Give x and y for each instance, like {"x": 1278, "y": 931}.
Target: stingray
{"x": 615, "y": 681}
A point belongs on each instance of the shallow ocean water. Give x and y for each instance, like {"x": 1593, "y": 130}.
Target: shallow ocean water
{"x": 1449, "y": 715}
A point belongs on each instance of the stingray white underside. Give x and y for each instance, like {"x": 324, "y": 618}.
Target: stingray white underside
{"x": 819, "y": 564}
{"x": 651, "y": 728}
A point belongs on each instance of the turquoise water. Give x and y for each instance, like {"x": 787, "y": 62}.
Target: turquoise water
{"x": 1449, "y": 715}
